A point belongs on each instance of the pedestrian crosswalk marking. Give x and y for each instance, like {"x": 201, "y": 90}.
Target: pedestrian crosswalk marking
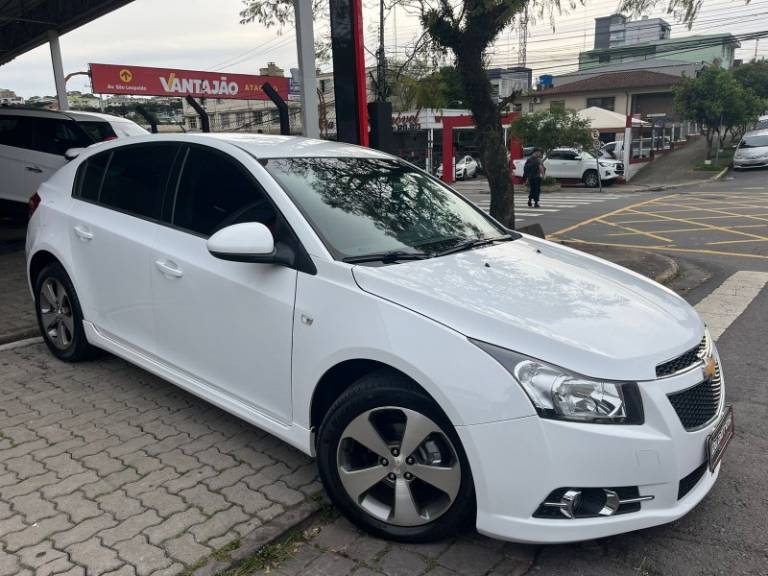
{"x": 729, "y": 301}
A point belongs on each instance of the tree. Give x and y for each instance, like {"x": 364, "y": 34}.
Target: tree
{"x": 551, "y": 129}
{"x": 718, "y": 103}
{"x": 753, "y": 75}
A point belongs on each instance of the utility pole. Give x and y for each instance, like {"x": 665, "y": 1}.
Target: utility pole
{"x": 381, "y": 60}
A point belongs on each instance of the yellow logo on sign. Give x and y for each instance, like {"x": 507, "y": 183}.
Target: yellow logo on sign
{"x": 126, "y": 75}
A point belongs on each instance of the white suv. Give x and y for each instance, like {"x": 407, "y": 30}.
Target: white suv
{"x": 33, "y": 144}
{"x": 570, "y": 164}
{"x": 440, "y": 367}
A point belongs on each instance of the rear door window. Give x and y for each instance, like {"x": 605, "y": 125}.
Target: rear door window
{"x": 136, "y": 179}
{"x": 17, "y": 131}
{"x": 98, "y": 131}
{"x": 54, "y": 136}
{"x": 215, "y": 192}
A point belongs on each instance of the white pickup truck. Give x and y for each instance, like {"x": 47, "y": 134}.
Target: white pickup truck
{"x": 572, "y": 164}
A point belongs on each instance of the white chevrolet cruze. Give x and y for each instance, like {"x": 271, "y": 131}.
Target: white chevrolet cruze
{"x": 440, "y": 367}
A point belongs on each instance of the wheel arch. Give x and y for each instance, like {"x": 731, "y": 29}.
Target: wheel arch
{"x": 341, "y": 376}
{"x": 39, "y": 261}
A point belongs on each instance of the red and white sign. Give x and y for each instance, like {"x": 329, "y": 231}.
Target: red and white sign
{"x": 143, "y": 81}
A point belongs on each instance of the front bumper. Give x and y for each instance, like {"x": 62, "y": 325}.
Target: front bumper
{"x": 750, "y": 163}
{"x": 517, "y": 463}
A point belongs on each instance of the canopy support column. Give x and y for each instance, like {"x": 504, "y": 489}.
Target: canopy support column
{"x": 58, "y": 70}
{"x": 305, "y": 39}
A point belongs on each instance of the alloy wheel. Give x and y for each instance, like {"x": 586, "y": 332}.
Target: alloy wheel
{"x": 398, "y": 466}
{"x": 56, "y": 313}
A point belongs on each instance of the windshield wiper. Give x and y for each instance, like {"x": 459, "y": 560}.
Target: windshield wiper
{"x": 386, "y": 257}
{"x": 475, "y": 243}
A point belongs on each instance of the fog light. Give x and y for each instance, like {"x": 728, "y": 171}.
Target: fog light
{"x": 590, "y": 502}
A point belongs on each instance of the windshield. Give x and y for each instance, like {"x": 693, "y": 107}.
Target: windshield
{"x": 757, "y": 141}
{"x": 364, "y": 206}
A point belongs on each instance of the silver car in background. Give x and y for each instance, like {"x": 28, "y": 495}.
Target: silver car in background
{"x": 752, "y": 151}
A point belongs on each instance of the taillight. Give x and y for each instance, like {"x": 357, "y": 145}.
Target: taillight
{"x": 109, "y": 138}
{"x": 34, "y": 202}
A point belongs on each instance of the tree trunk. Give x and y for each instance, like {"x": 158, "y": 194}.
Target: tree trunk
{"x": 709, "y": 135}
{"x": 489, "y": 133}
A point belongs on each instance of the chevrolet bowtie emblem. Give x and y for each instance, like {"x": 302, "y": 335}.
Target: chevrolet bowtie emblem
{"x": 710, "y": 368}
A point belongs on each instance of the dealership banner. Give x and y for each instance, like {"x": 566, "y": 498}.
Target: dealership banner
{"x": 143, "y": 81}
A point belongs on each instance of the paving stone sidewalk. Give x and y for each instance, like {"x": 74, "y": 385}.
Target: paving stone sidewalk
{"x": 105, "y": 469}
{"x": 16, "y": 307}
{"x": 339, "y": 549}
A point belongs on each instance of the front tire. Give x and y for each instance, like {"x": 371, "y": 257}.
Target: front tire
{"x": 591, "y": 179}
{"x": 59, "y": 315}
{"x": 392, "y": 462}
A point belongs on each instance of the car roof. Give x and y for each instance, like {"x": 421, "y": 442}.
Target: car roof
{"x": 71, "y": 114}
{"x": 261, "y": 145}
{"x": 80, "y": 115}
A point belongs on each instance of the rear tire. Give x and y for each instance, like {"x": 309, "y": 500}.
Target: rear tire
{"x": 59, "y": 315}
{"x": 376, "y": 487}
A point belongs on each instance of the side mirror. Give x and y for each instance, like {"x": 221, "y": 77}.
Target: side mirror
{"x": 249, "y": 242}
{"x": 73, "y": 153}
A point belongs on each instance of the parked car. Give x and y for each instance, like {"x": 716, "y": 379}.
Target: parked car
{"x": 442, "y": 368}
{"x": 466, "y": 167}
{"x": 762, "y": 123}
{"x": 103, "y": 127}
{"x": 33, "y": 144}
{"x": 641, "y": 148}
{"x": 752, "y": 151}
{"x": 572, "y": 164}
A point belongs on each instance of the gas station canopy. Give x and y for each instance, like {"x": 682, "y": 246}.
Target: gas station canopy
{"x": 25, "y": 24}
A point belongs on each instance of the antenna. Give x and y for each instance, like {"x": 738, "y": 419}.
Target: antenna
{"x": 522, "y": 35}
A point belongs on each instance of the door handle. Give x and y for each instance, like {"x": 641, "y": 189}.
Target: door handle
{"x": 169, "y": 269}
{"x": 34, "y": 169}
{"x": 83, "y": 233}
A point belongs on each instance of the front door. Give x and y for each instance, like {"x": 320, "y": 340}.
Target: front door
{"x": 113, "y": 222}
{"x": 227, "y": 324}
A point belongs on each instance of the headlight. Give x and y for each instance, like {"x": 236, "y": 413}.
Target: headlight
{"x": 604, "y": 164}
{"x": 564, "y": 395}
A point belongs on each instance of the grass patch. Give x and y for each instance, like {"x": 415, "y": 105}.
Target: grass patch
{"x": 723, "y": 161}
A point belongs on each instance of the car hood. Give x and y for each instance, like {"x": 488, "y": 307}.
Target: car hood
{"x": 549, "y": 302}
{"x": 758, "y": 152}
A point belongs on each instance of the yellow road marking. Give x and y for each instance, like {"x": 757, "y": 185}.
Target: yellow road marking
{"x": 698, "y": 229}
{"x": 619, "y": 211}
{"x": 734, "y": 242}
{"x": 668, "y": 249}
{"x": 710, "y": 226}
{"x": 636, "y": 231}
{"x": 752, "y": 216}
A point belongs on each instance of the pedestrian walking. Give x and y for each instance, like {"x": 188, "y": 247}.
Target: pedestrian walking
{"x": 533, "y": 172}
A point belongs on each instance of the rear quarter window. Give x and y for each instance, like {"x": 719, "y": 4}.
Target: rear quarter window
{"x": 98, "y": 131}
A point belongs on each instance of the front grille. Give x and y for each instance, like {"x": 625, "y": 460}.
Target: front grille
{"x": 683, "y": 361}
{"x": 698, "y": 405}
{"x": 689, "y": 482}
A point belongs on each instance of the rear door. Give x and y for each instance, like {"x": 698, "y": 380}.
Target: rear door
{"x": 31, "y": 150}
{"x": 554, "y": 164}
{"x": 118, "y": 204}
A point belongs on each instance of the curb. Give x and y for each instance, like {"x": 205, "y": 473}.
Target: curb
{"x": 663, "y": 187}
{"x": 672, "y": 271}
{"x": 19, "y": 335}
{"x": 273, "y": 531}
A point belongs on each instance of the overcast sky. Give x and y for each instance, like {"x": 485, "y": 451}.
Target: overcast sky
{"x": 207, "y": 35}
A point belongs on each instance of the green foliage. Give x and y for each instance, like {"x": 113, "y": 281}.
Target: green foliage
{"x": 718, "y": 102}
{"x": 552, "y": 129}
{"x": 753, "y": 75}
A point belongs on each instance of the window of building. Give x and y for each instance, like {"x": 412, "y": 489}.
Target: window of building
{"x": 193, "y": 123}
{"x": 240, "y": 118}
{"x": 557, "y": 105}
{"x": 603, "y": 58}
{"x": 214, "y": 192}
{"x": 606, "y": 102}
{"x": 136, "y": 178}
{"x": 225, "y": 121}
